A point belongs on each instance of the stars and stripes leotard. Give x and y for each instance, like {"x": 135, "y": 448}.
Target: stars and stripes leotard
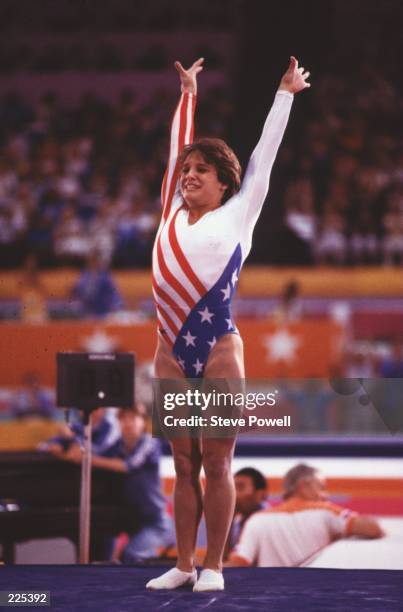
{"x": 196, "y": 267}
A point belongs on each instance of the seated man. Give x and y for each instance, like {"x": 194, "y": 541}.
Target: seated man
{"x": 251, "y": 493}
{"x": 137, "y": 454}
{"x": 292, "y": 533}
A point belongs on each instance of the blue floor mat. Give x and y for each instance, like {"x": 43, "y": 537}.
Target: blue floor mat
{"x": 114, "y": 588}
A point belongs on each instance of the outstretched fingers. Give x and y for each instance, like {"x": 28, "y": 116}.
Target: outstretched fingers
{"x": 195, "y": 68}
{"x": 293, "y": 63}
{"x": 179, "y": 67}
{"x": 198, "y": 63}
{"x": 295, "y": 78}
{"x": 188, "y": 77}
{"x": 305, "y": 76}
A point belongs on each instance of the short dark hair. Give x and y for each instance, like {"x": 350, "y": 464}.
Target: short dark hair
{"x": 217, "y": 153}
{"x": 259, "y": 481}
{"x": 138, "y": 409}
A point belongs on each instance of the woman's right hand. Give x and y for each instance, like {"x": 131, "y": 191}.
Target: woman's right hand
{"x": 189, "y": 77}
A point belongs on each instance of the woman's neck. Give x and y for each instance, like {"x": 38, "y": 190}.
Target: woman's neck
{"x": 195, "y": 214}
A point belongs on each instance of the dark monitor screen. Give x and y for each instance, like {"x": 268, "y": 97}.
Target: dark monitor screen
{"x": 92, "y": 380}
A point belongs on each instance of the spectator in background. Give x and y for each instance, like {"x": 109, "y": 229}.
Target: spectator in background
{"x": 32, "y": 293}
{"x": 38, "y": 237}
{"x": 10, "y": 238}
{"x": 364, "y": 242}
{"x": 71, "y": 244}
{"x": 95, "y": 290}
{"x": 83, "y": 155}
{"x": 101, "y": 231}
{"x": 135, "y": 231}
{"x": 32, "y": 400}
{"x": 137, "y": 454}
{"x": 290, "y": 306}
{"x": 251, "y": 491}
{"x": 331, "y": 246}
{"x": 300, "y": 218}
{"x": 292, "y": 533}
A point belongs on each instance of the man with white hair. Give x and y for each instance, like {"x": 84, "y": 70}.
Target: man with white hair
{"x": 292, "y": 533}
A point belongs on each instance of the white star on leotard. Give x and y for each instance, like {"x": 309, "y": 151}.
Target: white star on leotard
{"x": 234, "y": 277}
{"x": 181, "y": 363}
{"x": 226, "y": 292}
{"x": 206, "y": 315}
{"x": 189, "y": 339}
{"x": 198, "y": 366}
{"x": 229, "y": 323}
{"x": 212, "y": 342}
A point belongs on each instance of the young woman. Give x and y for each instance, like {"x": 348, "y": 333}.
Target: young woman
{"x": 204, "y": 237}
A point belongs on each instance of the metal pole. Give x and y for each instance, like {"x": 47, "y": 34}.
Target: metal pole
{"x": 85, "y": 495}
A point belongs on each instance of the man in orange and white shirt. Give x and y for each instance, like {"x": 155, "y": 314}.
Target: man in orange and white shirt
{"x": 292, "y": 533}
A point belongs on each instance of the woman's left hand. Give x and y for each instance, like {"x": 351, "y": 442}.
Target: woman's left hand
{"x": 295, "y": 79}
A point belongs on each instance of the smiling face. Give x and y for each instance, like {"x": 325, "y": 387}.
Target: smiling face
{"x": 199, "y": 183}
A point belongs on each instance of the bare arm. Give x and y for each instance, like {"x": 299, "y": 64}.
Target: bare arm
{"x": 365, "y": 527}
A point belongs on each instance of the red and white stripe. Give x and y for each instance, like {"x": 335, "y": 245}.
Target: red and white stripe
{"x": 182, "y": 128}
{"x": 176, "y": 287}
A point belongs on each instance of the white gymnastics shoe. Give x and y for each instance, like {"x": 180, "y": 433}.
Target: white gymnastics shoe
{"x": 209, "y": 580}
{"x": 172, "y": 579}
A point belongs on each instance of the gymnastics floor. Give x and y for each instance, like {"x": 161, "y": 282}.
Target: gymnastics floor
{"x": 121, "y": 589}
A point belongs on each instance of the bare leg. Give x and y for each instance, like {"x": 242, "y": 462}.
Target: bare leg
{"x": 219, "y": 497}
{"x": 225, "y": 361}
{"x": 187, "y": 499}
{"x": 187, "y": 459}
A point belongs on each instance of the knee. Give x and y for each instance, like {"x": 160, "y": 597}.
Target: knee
{"x": 187, "y": 467}
{"x": 216, "y": 468}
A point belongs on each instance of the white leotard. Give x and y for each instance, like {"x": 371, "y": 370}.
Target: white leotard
{"x": 196, "y": 267}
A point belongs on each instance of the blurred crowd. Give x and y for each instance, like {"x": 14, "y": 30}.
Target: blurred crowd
{"x": 342, "y": 194}
{"x": 113, "y": 16}
{"x": 75, "y": 180}
{"x": 78, "y": 180}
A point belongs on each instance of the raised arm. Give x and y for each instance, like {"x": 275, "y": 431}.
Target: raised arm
{"x": 181, "y": 129}
{"x": 257, "y": 177}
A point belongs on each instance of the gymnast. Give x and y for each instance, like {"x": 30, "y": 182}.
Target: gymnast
{"x": 204, "y": 237}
